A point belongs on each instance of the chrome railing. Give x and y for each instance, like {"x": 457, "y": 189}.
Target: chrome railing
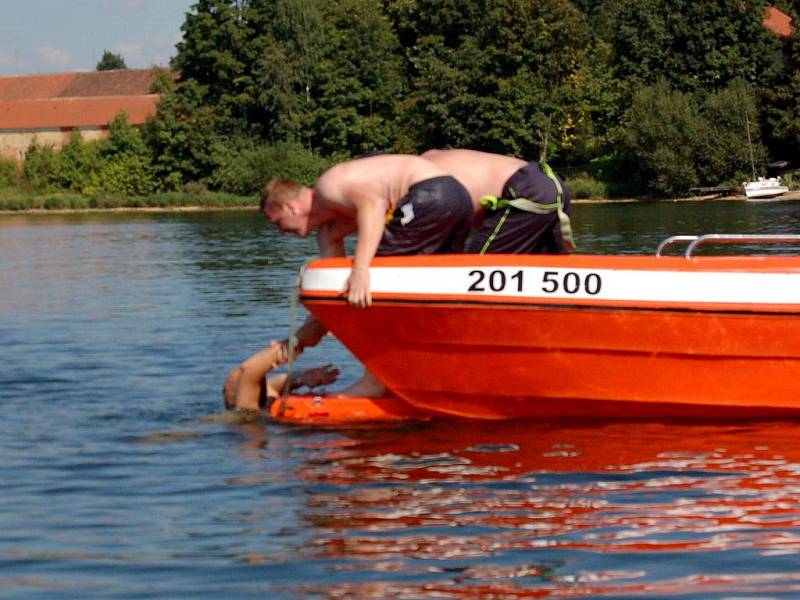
{"x": 725, "y": 238}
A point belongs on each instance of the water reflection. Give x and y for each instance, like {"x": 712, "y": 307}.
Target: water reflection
{"x": 523, "y": 509}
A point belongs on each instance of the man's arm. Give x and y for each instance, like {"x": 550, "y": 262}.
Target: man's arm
{"x": 330, "y": 237}
{"x": 310, "y": 378}
{"x": 371, "y": 219}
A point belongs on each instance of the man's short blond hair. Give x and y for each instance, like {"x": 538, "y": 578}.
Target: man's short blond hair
{"x": 278, "y": 192}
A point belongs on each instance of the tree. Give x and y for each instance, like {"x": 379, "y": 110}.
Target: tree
{"x": 182, "y": 134}
{"x": 360, "y": 81}
{"x": 502, "y": 75}
{"x": 665, "y": 135}
{"x": 732, "y": 117}
{"x": 216, "y": 53}
{"x": 695, "y": 46}
{"x": 110, "y": 62}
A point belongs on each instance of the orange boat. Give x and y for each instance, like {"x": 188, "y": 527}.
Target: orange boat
{"x": 512, "y": 336}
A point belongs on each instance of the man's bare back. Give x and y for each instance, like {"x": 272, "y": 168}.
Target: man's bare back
{"x": 384, "y": 178}
{"x": 482, "y": 173}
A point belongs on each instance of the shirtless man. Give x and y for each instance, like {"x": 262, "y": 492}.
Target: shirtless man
{"x": 395, "y": 203}
{"x": 505, "y": 224}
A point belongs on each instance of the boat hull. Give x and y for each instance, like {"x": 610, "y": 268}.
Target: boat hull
{"x": 601, "y": 352}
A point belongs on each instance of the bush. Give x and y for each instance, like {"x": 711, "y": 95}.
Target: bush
{"x": 78, "y": 162}
{"x": 9, "y": 172}
{"x": 585, "y": 186}
{"x": 41, "y": 167}
{"x": 243, "y": 167}
{"x": 665, "y": 136}
{"x": 126, "y": 175}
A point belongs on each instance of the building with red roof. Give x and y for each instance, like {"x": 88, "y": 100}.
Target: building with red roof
{"x": 48, "y": 108}
{"x": 778, "y": 22}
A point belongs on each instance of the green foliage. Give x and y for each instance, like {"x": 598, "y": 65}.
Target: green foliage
{"x": 181, "y": 136}
{"x": 9, "y": 172}
{"x": 245, "y": 166}
{"x": 655, "y": 91}
{"x": 508, "y": 76}
{"x": 731, "y": 114}
{"x": 41, "y": 166}
{"x": 664, "y": 137}
{"x": 163, "y": 81}
{"x": 16, "y": 198}
{"x": 695, "y": 46}
{"x": 675, "y": 143}
{"x": 119, "y": 165}
{"x": 110, "y": 61}
{"x": 78, "y": 160}
{"x": 360, "y": 81}
{"x": 586, "y": 187}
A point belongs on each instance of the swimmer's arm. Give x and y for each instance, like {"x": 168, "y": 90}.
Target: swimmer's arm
{"x": 275, "y": 385}
{"x": 254, "y": 369}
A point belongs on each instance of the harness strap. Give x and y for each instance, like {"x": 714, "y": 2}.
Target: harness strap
{"x": 538, "y": 208}
{"x": 497, "y": 227}
{"x": 563, "y": 218}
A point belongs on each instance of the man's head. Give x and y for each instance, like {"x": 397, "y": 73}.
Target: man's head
{"x": 287, "y": 204}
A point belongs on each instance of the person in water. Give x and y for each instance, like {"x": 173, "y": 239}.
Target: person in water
{"x": 247, "y": 387}
{"x": 520, "y": 207}
{"x": 395, "y": 203}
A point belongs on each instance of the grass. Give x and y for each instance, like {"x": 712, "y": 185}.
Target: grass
{"x": 18, "y": 198}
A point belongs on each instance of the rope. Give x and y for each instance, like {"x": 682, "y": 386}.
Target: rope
{"x": 292, "y": 337}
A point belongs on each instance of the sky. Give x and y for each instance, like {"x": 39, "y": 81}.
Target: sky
{"x": 52, "y": 36}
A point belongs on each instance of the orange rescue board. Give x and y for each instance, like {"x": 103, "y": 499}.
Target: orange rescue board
{"x": 343, "y": 410}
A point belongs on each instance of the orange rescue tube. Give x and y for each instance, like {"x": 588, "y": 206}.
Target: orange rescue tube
{"x": 343, "y": 410}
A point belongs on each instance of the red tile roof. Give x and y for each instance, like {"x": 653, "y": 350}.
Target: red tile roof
{"x": 88, "y": 99}
{"x": 49, "y": 113}
{"x": 124, "y": 82}
{"x": 778, "y": 22}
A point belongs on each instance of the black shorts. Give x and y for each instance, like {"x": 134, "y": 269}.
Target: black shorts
{"x": 433, "y": 218}
{"x": 523, "y": 232}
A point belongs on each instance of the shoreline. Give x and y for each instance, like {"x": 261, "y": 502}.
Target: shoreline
{"x": 789, "y": 196}
{"x": 119, "y": 209}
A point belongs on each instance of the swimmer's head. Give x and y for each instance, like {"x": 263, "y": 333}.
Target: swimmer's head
{"x": 229, "y": 388}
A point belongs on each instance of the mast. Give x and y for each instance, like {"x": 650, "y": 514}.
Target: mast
{"x": 750, "y": 145}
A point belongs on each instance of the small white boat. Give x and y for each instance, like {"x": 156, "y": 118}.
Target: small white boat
{"x": 764, "y": 188}
{"x": 761, "y": 188}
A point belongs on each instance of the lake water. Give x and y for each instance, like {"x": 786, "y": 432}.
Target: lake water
{"x": 120, "y": 476}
